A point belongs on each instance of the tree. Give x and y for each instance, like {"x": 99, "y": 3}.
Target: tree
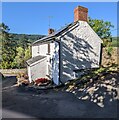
{"x": 24, "y": 42}
{"x": 8, "y": 50}
{"x": 27, "y": 53}
{"x": 19, "y": 58}
{"x": 101, "y": 27}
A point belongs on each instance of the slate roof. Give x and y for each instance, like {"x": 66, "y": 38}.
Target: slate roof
{"x": 56, "y": 33}
{"x": 34, "y": 59}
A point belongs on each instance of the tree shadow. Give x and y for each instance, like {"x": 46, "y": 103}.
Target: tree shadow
{"x": 101, "y": 91}
{"x": 76, "y": 54}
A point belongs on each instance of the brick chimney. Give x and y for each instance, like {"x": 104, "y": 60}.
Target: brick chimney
{"x": 50, "y": 31}
{"x": 80, "y": 13}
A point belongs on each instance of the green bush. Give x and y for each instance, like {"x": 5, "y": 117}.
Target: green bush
{"x": 109, "y": 50}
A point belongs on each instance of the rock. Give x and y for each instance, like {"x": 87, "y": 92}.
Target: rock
{"x": 96, "y": 89}
{"x": 73, "y": 92}
{"x": 91, "y": 80}
{"x": 100, "y": 98}
{"x": 96, "y": 95}
{"x": 109, "y": 87}
{"x": 70, "y": 88}
{"x": 80, "y": 89}
{"x": 103, "y": 85}
{"x": 110, "y": 100}
{"x": 79, "y": 98}
{"x": 91, "y": 90}
{"x": 107, "y": 82}
{"x": 85, "y": 98}
{"x": 95, "y": 101}
{"x": 100, "y": 104}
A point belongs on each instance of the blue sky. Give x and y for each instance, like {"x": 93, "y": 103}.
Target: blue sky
{"x": 33, "y": 17}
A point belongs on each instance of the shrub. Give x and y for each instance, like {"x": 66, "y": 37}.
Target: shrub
{"x": 109, "y": 50}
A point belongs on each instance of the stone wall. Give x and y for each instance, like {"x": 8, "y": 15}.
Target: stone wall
{"x": 13, "y": 72}
{"x": 107, "y": 60}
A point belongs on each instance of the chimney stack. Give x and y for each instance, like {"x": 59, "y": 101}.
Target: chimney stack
{"x": 50, "y": 31}
{"x": 80, "y": 13}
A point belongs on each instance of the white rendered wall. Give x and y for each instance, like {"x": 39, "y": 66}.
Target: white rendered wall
{"x": 39, "y": 69}
{"x": 80, "y": 49}
{"x": 39, "y": 49}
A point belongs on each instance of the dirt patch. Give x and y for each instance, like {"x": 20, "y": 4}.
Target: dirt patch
{"x": 107, "y": 59}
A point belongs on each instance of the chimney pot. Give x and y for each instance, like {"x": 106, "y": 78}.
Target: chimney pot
{"x": 50, "y": 31}
{"x": 80, "y": 13}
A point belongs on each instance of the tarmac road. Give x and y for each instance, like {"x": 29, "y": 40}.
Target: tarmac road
{"x": 51, "y": 103}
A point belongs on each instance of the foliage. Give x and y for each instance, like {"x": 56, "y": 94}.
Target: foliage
{"x": 109, "y": 50}
{"x": 13, "y": 52}
{"x": 15, "y": 49}
{"x": 21, "y": 57}
{"x": 23, "y": 42}
{"x": 101, "y": 27}
{"x": 31, "y": 38}
{"x": 115, "y": 42}
{"x": 8, "y": 47}
{"x": 27, "y": 53}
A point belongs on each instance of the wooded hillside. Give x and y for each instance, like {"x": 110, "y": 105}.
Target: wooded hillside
{"x": 30, "y": 37}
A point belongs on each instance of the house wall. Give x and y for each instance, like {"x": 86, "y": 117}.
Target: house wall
{"x": 55, "y": 64}
{"x": 42, "y": 49}
{"x": 38, "y": 70}
{"x": 39, "y": 49}
{"x": 80, "y": 49}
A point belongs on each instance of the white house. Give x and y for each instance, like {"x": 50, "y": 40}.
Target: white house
{"x": 62, "y": 53}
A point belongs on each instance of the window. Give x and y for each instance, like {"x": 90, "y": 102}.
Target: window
{"x": 49, "y": 48}
{"x": 38, "y": 49}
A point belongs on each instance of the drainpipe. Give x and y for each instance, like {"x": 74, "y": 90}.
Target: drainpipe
{"x": 60, "y": 62}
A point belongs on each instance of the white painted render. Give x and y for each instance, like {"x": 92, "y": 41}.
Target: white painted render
{"x": 39, "y": 49}
{"x": 55, "y": 64}
{"x": 42, "y": 49}
{"x": 38, "y": 70}
{"x": 50, "y": 65}
{"x": 29, "y": 73}
{"x": 80, "y": 50}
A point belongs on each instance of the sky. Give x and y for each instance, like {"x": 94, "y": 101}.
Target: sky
{"x": 34, "y": 17}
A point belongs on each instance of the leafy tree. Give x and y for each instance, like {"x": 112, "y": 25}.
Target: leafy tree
{"x": 101, "y": 27}
{"x": 27, "y": 53}
{"x": 8, "y": 49}
{"x": 19, "y": 58}
{"x": 24, "y": 42}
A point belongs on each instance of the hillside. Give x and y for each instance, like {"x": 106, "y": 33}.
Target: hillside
{"x": 32, "y": 38}
{"x": 29, "y": 37}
